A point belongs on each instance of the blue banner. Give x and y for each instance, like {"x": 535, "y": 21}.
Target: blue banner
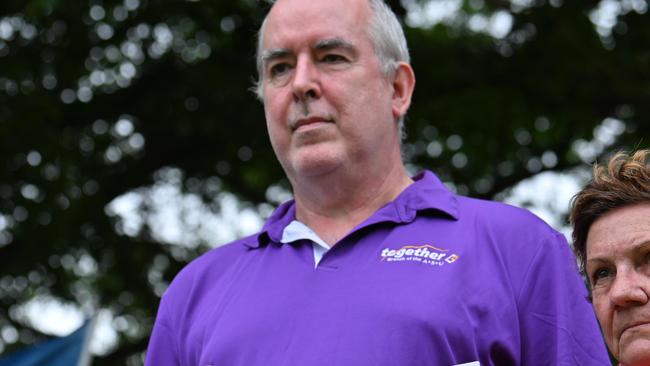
{"x": 65, "y": 351}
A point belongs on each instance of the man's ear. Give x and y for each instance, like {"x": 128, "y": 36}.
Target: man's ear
{"x": 403, "y": 85}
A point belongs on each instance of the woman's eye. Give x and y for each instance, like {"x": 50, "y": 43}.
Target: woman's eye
{"x": 599, "y": 274}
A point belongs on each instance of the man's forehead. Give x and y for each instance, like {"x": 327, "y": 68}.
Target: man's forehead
{"x": 309, "y": 15}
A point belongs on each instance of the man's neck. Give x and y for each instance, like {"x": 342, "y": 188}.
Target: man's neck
{"x": 338, "y": 203}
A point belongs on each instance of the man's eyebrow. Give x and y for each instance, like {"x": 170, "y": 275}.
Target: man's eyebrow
{"x": 274, "y": 53}
{"x": 642, "y": 247}
{"x": 333, "y": 43}
{"x": 322, "y": 45}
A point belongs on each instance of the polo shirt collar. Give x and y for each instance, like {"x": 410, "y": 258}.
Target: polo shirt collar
{"x": 426, "y": 194}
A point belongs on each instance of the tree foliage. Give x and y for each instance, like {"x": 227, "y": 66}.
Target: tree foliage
{"x": 101, "y": 98}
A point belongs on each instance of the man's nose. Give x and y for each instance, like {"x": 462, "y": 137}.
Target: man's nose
{"x": 630, "y": 287}
{"x": 306, "y": 80}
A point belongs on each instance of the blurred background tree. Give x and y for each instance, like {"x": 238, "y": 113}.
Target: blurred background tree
{"x": 130, "y": 143}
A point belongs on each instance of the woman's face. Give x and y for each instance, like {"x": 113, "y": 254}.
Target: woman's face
{"x": 618, "y": 266}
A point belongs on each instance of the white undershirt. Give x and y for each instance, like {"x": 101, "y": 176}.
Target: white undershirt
{"x": 296, "y": 230}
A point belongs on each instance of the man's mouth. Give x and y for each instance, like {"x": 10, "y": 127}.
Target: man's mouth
{"x": 310, "y": 121}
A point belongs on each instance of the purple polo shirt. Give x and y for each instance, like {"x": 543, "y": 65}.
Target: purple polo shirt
{"x": 431, "y": 278}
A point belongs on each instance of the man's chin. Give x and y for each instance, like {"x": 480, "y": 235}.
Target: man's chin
{"x": 314, "y": 160}
{"x": 316, "y": 169}
{"x": 315, "y": 164}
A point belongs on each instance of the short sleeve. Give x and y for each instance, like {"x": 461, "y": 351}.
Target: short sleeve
{"x": 558, "y": 325}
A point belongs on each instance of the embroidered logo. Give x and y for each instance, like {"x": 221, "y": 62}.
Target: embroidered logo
{"x": 425, "y": 254}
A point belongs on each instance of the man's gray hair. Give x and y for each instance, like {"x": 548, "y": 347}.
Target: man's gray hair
{"x": 385, "y": 33}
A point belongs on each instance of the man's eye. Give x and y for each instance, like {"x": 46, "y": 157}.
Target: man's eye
{"x": 333, "y": 58}
{"x": 278, "y": 69}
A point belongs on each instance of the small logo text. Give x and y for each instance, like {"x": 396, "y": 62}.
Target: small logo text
{"x": 425, "y": 254}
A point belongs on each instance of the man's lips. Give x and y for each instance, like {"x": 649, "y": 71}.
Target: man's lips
{"x": 309, "y": 121}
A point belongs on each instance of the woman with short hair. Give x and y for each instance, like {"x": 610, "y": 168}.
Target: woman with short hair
{"x": 611, "y": 235}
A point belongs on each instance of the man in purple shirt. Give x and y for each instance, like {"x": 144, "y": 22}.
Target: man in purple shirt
{"x": 368, "y": 266}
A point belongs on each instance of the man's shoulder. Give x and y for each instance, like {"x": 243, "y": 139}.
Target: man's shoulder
{"x": 214, "y": 263}
{"x": 225, "y": 252}
{"x": 202, "y": 281}
{"x": 502, "y": 216}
